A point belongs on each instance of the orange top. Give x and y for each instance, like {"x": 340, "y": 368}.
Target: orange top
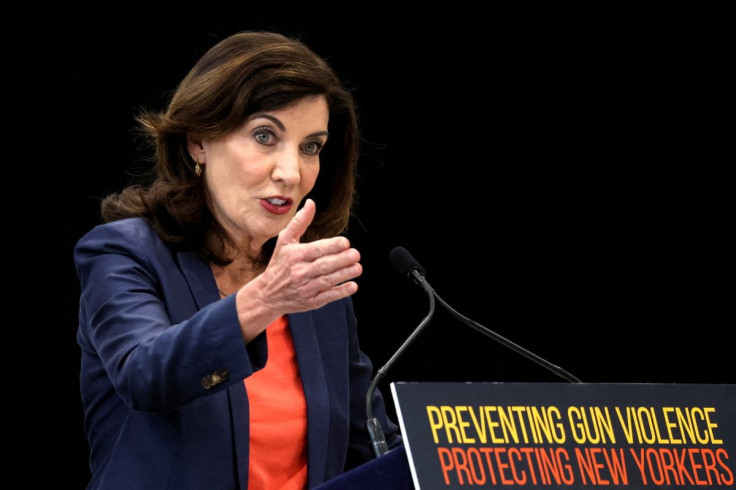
{"x": 278, "y": 417}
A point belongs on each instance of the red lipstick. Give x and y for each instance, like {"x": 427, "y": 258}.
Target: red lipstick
{"x": 277, "y": 204}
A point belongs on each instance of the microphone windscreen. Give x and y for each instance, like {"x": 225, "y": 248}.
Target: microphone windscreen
{"x": 404, "y": 262}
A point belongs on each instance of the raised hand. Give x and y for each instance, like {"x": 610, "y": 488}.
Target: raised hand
{"x": 304, "y": 276}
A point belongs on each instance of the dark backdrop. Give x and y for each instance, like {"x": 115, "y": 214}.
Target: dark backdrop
{"x": 561, "y": 176}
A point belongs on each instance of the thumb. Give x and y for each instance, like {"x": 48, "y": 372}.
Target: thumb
{"x": 299, "y": 223}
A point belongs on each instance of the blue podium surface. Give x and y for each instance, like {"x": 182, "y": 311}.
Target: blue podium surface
{"x": 387, "y": 472}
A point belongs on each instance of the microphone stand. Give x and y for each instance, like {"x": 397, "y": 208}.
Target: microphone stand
{"x": 405, "y": 262}
{"x": 378, "y": 439}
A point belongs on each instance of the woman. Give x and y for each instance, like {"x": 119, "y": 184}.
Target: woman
{"x": 219, "y": 344}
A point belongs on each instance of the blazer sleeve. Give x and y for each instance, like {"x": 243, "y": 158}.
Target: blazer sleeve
{"x": 139, "y": 316}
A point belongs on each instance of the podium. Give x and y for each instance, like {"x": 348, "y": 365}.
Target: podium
{"x": 387, "y": 472}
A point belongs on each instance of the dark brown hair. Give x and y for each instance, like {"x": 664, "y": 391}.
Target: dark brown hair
{"x": 245, "y": 73}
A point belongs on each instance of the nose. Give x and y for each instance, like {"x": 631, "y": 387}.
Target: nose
{"x": 286, "y": 168}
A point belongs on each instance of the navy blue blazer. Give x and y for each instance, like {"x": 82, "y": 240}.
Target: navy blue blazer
{"x": 163, "y": 363}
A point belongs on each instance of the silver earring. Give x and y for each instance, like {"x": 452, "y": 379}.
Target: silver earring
{"x": 198, "y": 169}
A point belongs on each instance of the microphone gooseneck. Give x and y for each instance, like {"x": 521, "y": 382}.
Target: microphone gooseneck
{"x": 407, "y": 265}
{"x": 375, "y": 432}
{"x": 515, "y": 347}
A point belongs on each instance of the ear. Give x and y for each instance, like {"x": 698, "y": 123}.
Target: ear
{"x": 195, "y": 148}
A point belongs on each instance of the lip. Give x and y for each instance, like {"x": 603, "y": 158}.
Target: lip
{"x": 276, "y": 209}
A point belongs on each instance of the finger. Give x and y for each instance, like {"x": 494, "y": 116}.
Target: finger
{"x": 329, "y": 273}
{"x": 304, "y": 271}
{"x": 341, "y": 276}
{"x": 299, "y": 223}
{"x": 329, "y": 265}
{"x": 333, "y": 248}
{"x": 334, "y": 293}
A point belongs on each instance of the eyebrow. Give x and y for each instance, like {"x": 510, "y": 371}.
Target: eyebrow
{"x": 283, "y": 128}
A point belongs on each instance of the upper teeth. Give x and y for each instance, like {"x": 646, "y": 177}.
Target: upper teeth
{"x": 276, "y": 201}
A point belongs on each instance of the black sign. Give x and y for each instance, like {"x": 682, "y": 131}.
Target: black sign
{"x": 568, "y": 435}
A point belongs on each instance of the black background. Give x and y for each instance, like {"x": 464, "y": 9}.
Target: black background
{"x": 563, "y": 176}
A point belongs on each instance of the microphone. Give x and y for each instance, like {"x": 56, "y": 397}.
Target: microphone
{"x": 375, "y": 432}
{"x": 405, "y": 263}
{"x": 408, "y": 266}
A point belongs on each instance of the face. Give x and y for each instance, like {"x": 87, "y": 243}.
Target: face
{"x": 256, "y": 176}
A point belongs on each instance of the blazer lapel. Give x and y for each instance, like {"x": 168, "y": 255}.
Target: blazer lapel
{"x": 315, "y": 390}
{"x": 200, "y": 279}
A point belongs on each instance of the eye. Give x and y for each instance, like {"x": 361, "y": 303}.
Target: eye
{"x": 264, "y": 136}
{"x": 313, "y": 147}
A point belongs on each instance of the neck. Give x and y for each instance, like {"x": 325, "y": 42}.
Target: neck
{"x": 232, "y": 277}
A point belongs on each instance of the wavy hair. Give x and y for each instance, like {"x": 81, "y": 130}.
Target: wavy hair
{"x": 245, "y": 73}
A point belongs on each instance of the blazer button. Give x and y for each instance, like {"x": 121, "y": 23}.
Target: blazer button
{"x": 214, "y": 379}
